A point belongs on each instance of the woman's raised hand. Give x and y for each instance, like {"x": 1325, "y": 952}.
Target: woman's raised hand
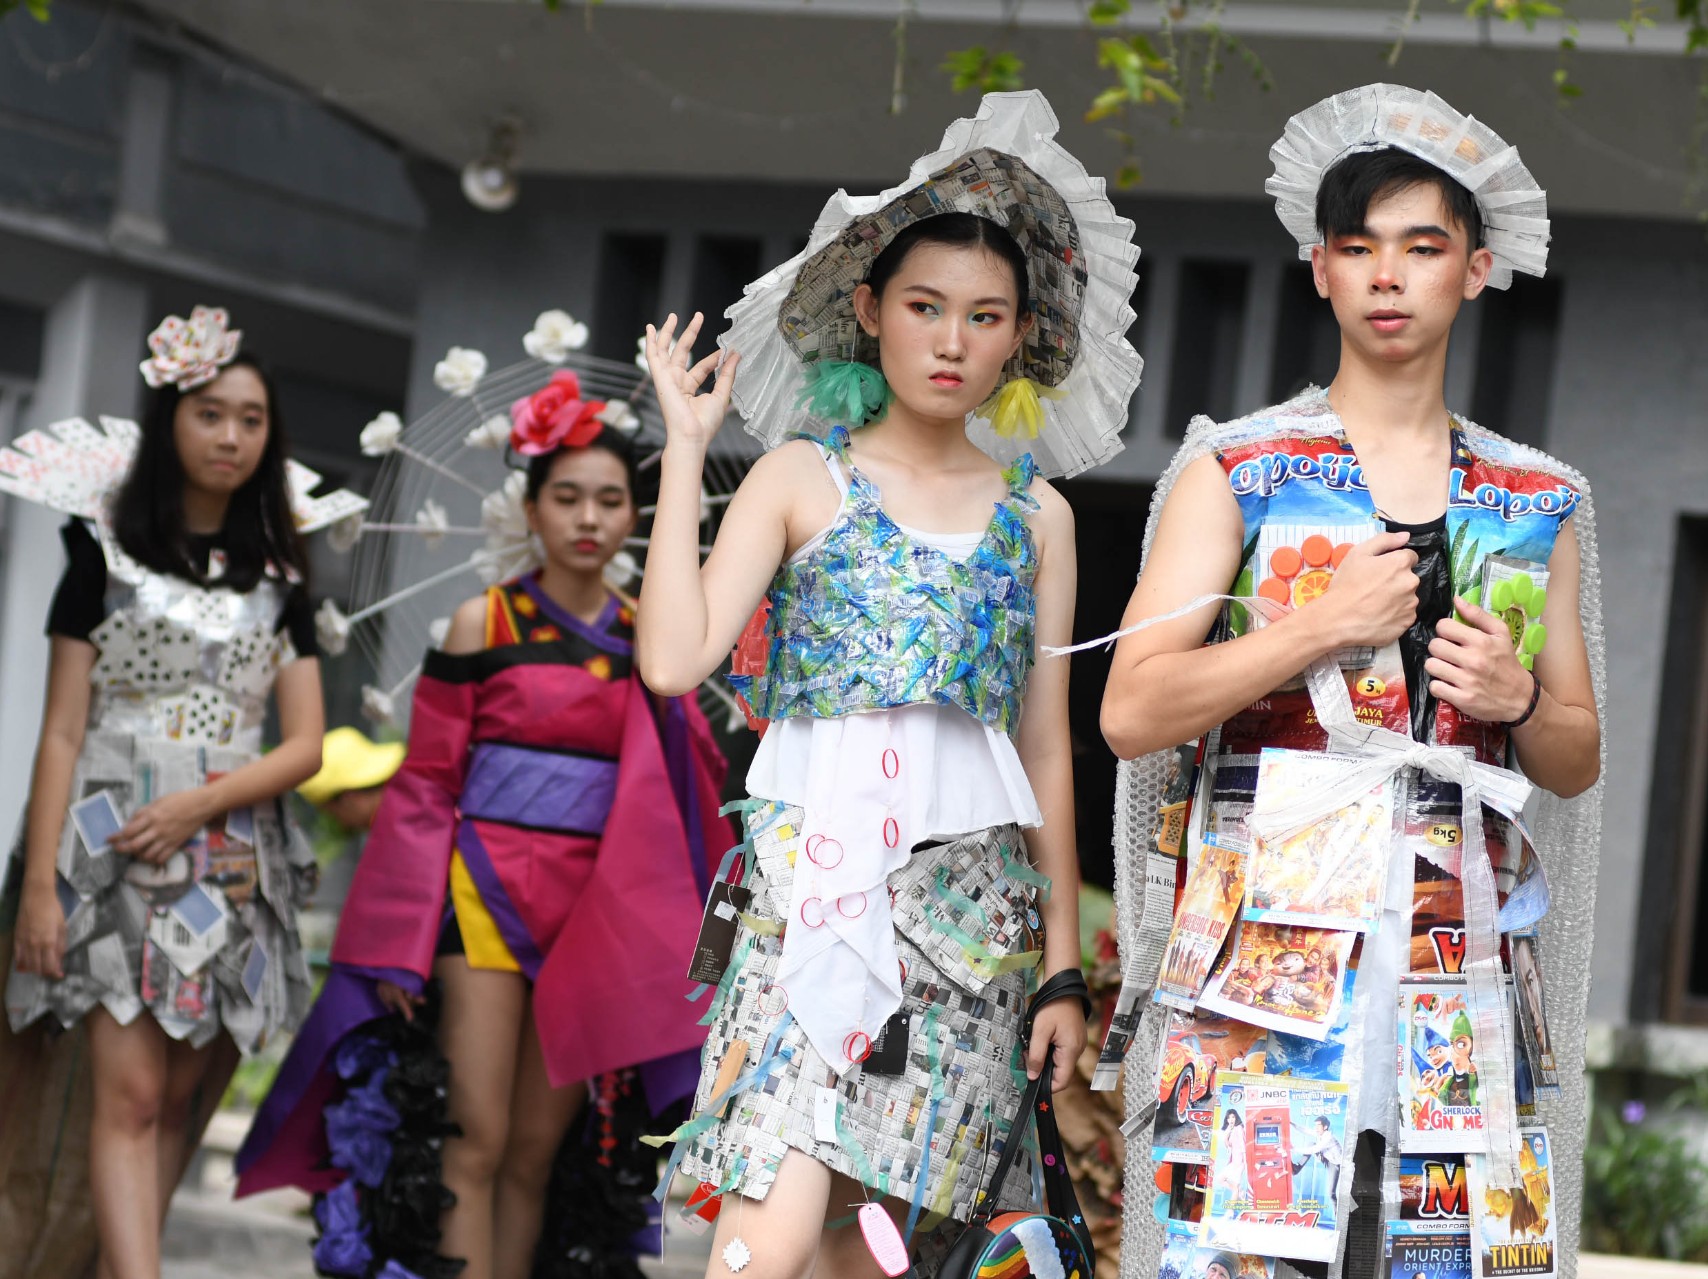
{"x": 690, "y": 416}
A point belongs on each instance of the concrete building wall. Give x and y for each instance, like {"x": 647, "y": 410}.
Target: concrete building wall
{"x": 139, "y": 176}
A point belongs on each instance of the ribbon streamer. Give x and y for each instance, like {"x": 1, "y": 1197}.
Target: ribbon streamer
{"x": 1267, "y": 608}
{"x": 1380, "y": 753}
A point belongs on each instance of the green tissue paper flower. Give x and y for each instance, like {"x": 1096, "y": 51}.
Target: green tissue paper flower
{"x": 847, "y": 392}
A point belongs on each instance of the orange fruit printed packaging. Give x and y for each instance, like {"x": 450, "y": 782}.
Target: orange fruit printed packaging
{"x": 1296, "y": 563}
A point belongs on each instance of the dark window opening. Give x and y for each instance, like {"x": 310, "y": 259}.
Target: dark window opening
{"x": 723, "y": 266}
{"x": 1307, "y": 339}
{"x": 1209, "y": 318}
{"x": 1513, "y": 392}
{"x": 1109, "y": 531}
{"x": 1672, "y": 936}
{"x": 20, "y": 339}
{"x": 631, "y": 272}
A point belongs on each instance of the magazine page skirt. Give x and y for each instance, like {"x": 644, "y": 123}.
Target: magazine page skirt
{"x": 923, "y": 1117}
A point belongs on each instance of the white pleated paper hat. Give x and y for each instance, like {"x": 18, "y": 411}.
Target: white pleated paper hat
{"x": 1513, "y": 207}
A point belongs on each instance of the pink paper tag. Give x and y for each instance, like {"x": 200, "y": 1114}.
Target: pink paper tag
{"x": 883, "y": 1240}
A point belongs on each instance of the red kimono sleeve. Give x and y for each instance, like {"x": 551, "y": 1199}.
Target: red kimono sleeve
{"x": 397, "y": 899}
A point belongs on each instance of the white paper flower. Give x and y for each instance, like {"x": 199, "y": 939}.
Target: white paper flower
{"x": 737, "y": 1254}
{"x": 494, "y": 433}
{"x": 511, "y": 547}
{"x": 619, "y": 417}
{"x": 331, "y": 628}
{"x": 380, "y": 436}
{"x": 377, "y": 705}
{"x": 343, "y": 536}
{"x": 460, "y": 371}
{"x": 433, "y": 522}
{"x": 554, "y": 335}
{"x": 620, "y": 570}
{"x": 437, "y": 629}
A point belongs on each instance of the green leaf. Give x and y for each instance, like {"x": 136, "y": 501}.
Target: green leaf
{"x": 1159, "y": 88}
{"x": 1105, "y": 13}
{"x": 1129, "y": 175}
{"x": 979, "y": 68}
{"x": 1106, "y": 104}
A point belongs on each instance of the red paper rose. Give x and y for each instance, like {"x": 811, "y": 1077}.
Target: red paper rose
{"x": 554, "y": 417}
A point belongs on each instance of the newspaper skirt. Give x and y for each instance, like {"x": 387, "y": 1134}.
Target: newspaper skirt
{"x": 968, "y": 935}
{"x": 205, "y": 941}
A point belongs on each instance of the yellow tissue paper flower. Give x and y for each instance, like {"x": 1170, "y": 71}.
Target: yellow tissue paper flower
{"x": 1017, "y": 408}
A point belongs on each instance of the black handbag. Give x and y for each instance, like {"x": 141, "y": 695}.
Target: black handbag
{"x": 1011, "y": 1245}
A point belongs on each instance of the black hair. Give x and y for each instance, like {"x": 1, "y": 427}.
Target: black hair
{"x": 611, "y": 440}
{"x": 958, "y": 230}
{"x": 1354, "y": 183}
{"x": 259, "y": 531}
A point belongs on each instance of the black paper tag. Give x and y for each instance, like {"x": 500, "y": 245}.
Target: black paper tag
{"x": 889, "y": 1054}
{"x": 716, "y": 942}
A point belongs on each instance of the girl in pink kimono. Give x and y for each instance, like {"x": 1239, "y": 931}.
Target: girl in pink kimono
{"x": 541, "y": 857}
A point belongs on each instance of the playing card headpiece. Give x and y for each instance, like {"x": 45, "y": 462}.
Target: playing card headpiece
{"x": 1514, "y": 209}
{"x": 188, "y": 353}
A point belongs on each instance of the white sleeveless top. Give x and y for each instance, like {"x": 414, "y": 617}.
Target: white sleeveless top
{"x": 990, "y": 788}
{"x": 875, "y": 785}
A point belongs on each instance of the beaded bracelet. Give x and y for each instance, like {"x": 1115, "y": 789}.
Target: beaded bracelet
{"x": 1535, "y": 698}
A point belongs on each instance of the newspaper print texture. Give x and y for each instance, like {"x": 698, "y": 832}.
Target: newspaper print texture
{"x": 963, "y": 1041}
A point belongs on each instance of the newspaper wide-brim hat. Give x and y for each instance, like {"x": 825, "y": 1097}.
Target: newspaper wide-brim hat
{"x": 1005, "y": 165}
{"x": 1513, "y": 207}
{"x": 818, "y": 320}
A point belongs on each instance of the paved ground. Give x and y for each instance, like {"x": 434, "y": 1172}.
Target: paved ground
{"x": 214, "y": 1238}
{"x": 211, "y": 1236}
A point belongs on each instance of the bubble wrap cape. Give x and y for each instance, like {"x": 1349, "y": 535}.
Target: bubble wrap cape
{"x": 1568, "y": 839}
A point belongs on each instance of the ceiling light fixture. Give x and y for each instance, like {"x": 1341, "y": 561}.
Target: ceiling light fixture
{"x": 489, "y": 183}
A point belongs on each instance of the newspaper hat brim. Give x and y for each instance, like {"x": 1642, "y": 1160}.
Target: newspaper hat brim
{"x": 1003, "y": 164}
{"x": 1514, "y": 209}
{"x": 817, "y": 318}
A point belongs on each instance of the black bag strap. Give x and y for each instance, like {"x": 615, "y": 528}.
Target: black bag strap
{"x": 1035, "y": 1105}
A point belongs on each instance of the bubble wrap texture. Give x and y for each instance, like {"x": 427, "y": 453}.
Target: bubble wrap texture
{"x": 1568, "y": 836}
{"x": 1514, "y": 208}
{"x": 1082, "y": 429}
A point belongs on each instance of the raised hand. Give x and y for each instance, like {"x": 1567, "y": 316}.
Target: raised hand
{"x": 691, "y": 416}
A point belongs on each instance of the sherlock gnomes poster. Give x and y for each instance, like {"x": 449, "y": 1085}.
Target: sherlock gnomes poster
{"x": 1441, "y": 1106}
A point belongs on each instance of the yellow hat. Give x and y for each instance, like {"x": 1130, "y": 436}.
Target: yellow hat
{"x": 349, "y": 761}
